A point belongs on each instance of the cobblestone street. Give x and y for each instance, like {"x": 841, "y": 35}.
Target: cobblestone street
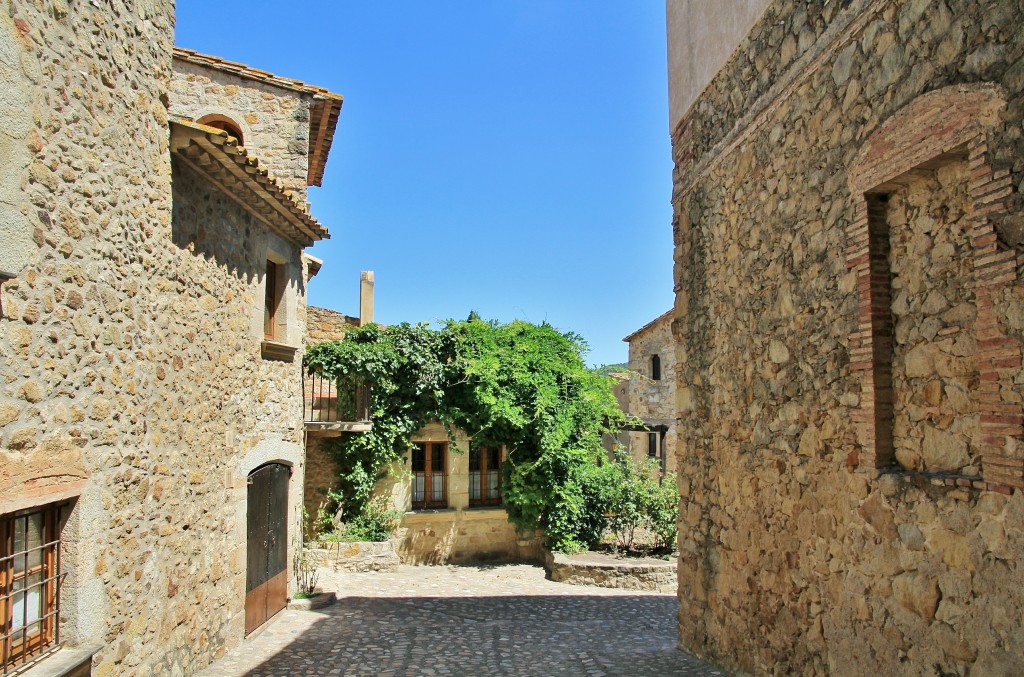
{"x": 501, "y": 620}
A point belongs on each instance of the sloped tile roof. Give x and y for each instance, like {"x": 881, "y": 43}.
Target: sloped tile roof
{"x": 659, "y": 318}
{"x": 215, "y": 154}
{"x": 323, "y": 114}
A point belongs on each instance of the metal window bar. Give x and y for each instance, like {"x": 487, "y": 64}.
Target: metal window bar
{"x": 329, "y": 401}
{"x": 18, "y": 643}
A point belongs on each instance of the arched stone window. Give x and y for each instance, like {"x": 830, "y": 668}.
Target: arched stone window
{"x": 655, "y": 368}
{"x": 218, "y": 121}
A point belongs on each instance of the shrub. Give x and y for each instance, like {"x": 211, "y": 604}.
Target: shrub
{"x": 623, "y": 496}
{"x": 376, "y": 522}
{"x": 663, "y": 513}
{"x": 578, "y": 518}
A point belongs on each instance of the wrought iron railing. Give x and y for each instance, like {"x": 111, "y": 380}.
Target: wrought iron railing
{"x": 325, "y": 400}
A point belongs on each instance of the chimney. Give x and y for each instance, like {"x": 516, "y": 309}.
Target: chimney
{"x": 365, "y": 298}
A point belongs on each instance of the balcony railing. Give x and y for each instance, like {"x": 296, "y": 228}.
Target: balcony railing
{"x": 333, "y": 405}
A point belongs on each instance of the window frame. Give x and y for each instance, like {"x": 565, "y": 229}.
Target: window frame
{"x": 485, "y": 468}
{"x": 46, "y": 637}
{"x": 431, "y": 451}
{"x": 271, "y": 299}
{"x": 653, "y": 445}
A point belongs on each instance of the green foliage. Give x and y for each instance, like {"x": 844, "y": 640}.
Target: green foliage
{"x": 580, "y": 514}
{"x": 607, "y": 369}
{"x": 663, "y": 512}
{"x": 521, "y": 385}
{"x": 639, "y": 501}
{"x": 375, "y": 523}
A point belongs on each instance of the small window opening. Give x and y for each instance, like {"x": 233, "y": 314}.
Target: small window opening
{"x": 224, "y": 123}
{"x": 652, "y": 445}
{"x": 271, "y": 299}
{"x": 655, "y": 368}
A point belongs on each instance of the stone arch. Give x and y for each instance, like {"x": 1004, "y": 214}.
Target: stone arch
{"x": 937, "y": 128}
{"x": 222, "y": 118}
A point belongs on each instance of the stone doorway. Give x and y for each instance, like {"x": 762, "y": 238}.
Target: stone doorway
{"x": 266, "y": 577}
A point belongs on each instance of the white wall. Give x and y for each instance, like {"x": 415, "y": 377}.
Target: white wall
{"x": 702, "y": 35}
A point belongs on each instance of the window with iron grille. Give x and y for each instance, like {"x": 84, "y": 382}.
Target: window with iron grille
{"x": 29, "y": 585}
{"x": 429, "y": 478}
{"x": 485, "y": 476}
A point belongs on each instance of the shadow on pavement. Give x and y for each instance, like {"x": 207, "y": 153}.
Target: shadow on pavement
{"x": 499, "y": 635}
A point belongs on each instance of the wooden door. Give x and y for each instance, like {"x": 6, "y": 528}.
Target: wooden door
{"x": 266, "y": 576}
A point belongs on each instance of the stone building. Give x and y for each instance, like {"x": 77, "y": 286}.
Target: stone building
{"x": 651, "y": 392}
{"x": 153, "y": 313}
{"x": 848, "y": 320}
{"x": 448, "y": 491}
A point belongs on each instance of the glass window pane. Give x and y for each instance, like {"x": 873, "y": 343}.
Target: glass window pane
{"x": 418, "y": 485}
{"x": 437, "y": 487}
{"x": 474, "y": 459}
{"x": 493, "y": 484}
{"x": 493, "y": 458}
{"x": 437, "y": 458}
{"x": 28, "y": 537}
{"x": 419, "y": 458}
{"x": 26, "y": 607}
{"x": 474, "y": 486}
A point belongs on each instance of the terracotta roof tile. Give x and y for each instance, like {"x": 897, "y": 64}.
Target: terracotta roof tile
{"x": 323, "y": 113}
{"x": 232, "y": 169}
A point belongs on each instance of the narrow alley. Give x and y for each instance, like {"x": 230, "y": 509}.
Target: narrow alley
{"x": 478, "y": 620}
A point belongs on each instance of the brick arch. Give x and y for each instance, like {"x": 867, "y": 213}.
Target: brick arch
{"x": 937, "y": 128}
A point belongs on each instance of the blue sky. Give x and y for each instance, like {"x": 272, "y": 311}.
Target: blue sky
{"x": 506, "y": 156}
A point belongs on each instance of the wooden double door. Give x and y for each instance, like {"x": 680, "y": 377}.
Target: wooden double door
{"x": 266, "y": 575}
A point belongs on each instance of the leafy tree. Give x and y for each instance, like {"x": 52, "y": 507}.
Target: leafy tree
{"x": 519, "y": 384}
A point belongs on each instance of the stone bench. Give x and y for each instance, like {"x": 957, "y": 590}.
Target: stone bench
{"x": 606, "y": 571}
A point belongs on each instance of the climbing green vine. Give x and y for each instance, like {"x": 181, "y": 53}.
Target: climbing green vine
{"x": 521, "y": 385}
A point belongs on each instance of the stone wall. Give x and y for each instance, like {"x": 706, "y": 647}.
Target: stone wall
{"x": 356, "y": 557}
{"x": 653, "y": 401}
{"x": 323, "y": 324}
{"x": 604, "y": 571}
{"x": 464, "y": 536}
{"x": 274, "y": 121}
{"x": 321, "y": 475}
{"x": 847, "y": 211}
{"x": 133, "y": 382}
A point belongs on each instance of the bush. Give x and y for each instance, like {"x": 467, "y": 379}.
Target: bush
{"x": 376, "y": 522}
{"x": 634, "y": 499}
{"x": 578, "y": 519}
{"x": 663, "y": 512}
{"x": 623, "y": 497}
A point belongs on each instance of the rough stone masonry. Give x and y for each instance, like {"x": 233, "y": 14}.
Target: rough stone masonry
{"x": 849, "y": 310}
{"x": 133, "y": 386}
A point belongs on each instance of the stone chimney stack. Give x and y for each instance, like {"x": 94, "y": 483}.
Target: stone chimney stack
{"x": 365, "y": 298}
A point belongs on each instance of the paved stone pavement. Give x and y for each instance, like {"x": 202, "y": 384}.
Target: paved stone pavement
{"x": 473, "y": 621}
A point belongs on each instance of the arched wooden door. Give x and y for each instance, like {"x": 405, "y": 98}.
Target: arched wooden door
{"x": 266, "y": 575}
